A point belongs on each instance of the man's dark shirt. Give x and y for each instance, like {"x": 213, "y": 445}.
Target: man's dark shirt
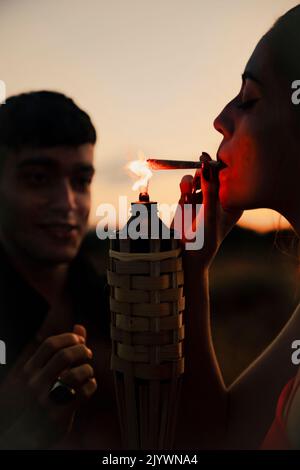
{"x": 23, "y": 309}
{"x": 22, "y": 312}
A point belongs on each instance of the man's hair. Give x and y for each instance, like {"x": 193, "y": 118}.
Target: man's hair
{"x": 43, "y": 119}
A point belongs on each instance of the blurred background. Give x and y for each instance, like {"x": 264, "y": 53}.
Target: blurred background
{"x": 153, "y": 75}
{"x": 254, "y": 288}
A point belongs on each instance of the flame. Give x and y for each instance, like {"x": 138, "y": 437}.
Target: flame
{"x": 140, "y": 168}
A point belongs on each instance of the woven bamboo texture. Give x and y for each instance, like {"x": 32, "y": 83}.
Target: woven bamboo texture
{"x": 147, "y": 332}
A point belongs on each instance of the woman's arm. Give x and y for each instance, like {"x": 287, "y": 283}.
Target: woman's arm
{"x": 254, "y": 395}
{"x": 202, "y": 414}
{"x": 210, "y": 414}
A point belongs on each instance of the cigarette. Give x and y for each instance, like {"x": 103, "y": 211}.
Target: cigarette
{"x": 162, "y": 164}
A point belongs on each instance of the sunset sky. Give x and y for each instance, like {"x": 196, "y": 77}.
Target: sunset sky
{"x": 152, "y": 74}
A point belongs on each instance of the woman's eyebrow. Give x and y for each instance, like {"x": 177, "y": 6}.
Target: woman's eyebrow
{"x": 250, "y": 75}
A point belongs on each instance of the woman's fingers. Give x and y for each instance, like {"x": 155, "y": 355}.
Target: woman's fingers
{"x": 209, "y": 185}
{"x": 186, "y": 188}
{"x": 197, "y": 180}
{"x": 210, "y": 188}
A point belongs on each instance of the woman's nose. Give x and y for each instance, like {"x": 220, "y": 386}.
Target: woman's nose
{"x": 224, "y": 122}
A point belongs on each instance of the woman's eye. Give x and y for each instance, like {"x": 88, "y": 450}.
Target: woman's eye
{"x": 247, "y": 104}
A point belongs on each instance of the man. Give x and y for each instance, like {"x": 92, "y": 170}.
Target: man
{"x": 53, "y": 316}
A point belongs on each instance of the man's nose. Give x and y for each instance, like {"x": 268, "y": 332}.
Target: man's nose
{"x": 64, "y": 196}
{"x": 224, "y": 122}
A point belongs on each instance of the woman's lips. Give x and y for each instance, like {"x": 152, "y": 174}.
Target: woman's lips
{"x": 222, "y": 163}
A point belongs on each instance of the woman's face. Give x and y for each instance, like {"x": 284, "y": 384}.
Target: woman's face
{"x": 259, "y": 146}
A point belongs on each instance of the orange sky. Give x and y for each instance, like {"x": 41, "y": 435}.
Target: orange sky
{"x": 153, "y": 74}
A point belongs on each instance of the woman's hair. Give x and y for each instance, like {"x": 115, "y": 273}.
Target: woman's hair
{"x": 286, "y": 43}
{"x": 43, "y": 119}
{"x": 285, "y": 46}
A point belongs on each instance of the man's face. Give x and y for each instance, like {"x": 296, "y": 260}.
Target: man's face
{"x": 45, "y": 201}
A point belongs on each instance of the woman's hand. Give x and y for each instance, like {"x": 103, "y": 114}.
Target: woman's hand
{"x": 215, "y": 222}
{"x": 204, "y": 397}
{"x": 42, "y": 422}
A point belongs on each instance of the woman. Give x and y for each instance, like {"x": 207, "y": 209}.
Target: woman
{"x": 261, "y": 151}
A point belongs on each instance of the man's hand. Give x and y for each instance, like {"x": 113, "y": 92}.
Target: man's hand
{"x": 41, "y": 423}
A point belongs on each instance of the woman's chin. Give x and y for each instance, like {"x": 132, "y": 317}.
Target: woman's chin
{"x": 229, "y": 202}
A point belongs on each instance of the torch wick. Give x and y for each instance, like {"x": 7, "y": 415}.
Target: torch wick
{"x": 144, "y": 197}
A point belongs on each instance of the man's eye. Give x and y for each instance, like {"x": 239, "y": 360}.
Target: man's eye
{"x": 247, "y": 104}
{"x": 37, "y": 178}
{"x": 83, "y": 182}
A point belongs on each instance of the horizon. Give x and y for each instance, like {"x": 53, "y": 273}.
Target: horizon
{"x": 152, "y": 76}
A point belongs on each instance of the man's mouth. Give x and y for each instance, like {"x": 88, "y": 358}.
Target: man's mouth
{"x": 61, "y": 231}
